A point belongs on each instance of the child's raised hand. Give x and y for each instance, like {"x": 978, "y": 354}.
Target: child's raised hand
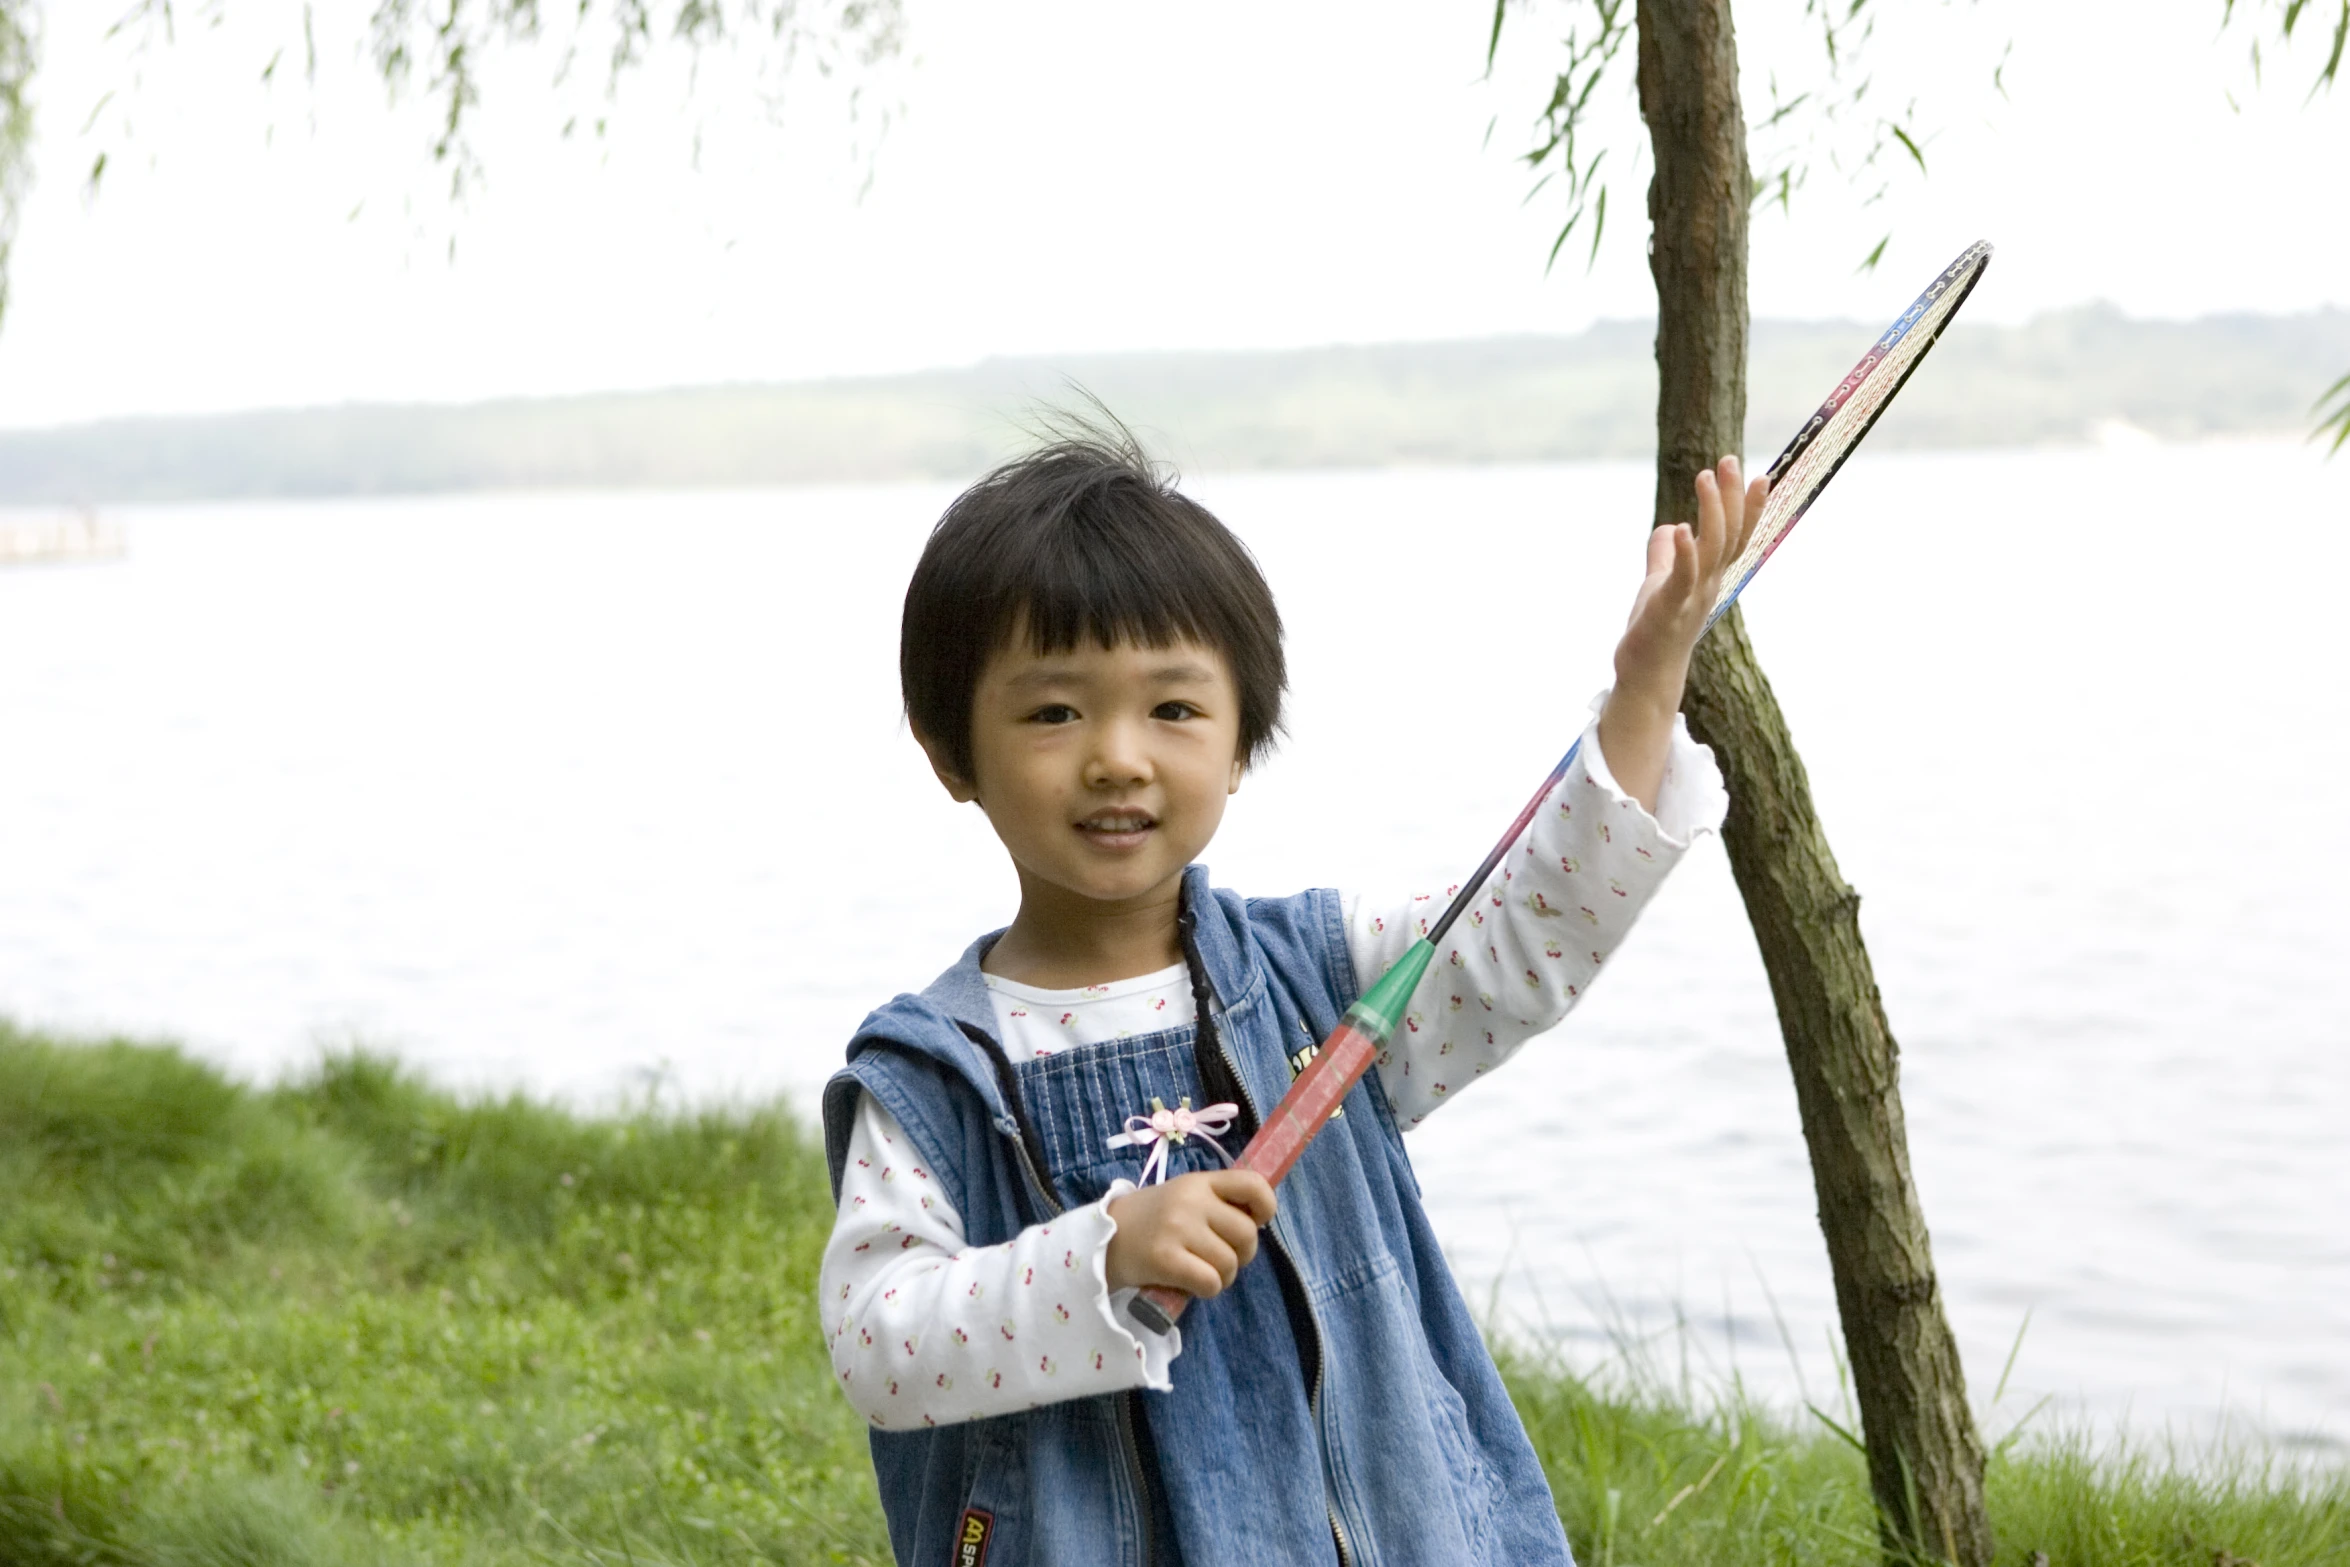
{"x": 1193, "y": 1233}
{"x": 1685, "y": 569}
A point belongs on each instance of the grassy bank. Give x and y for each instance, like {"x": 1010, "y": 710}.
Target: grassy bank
{"x": 352, "y": 1319}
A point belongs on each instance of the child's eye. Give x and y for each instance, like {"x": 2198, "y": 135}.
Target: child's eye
{"x": 1054, "y": 713}
{"x": 1174, "y": 712}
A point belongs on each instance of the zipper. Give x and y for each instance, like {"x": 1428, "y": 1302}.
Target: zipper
{"x": 1025, "y": 1140}
{"x": 1044, "y": 1188}
{"x": 1314, "y": 1384}
{"x": 1314, "y": 1411}
{"x": 1204, "y": 994}
{"x": 1338, "y": 1533}
{"x": 1132, "y": 1447}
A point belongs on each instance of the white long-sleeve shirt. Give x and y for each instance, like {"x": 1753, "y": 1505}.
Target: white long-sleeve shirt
{"x": 927, "y": 1330}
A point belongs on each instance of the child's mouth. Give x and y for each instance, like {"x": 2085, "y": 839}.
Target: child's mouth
{"x": 1118, "y": 829}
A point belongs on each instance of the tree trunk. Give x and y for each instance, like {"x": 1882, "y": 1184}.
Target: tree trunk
{"x": 1925, "y": 1458}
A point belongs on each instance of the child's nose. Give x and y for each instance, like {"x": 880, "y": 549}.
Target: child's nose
{"x": 1119, "y": 757}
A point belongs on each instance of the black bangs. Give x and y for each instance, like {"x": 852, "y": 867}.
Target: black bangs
{"x": 1104, "y": 566}
{"x": 1084, "y": 538}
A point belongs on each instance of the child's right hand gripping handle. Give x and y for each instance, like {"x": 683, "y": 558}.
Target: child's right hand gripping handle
{"x": 1337, "y": 1066}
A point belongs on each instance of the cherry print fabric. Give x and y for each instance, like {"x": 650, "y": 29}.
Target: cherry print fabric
{"x": 1564, "y": 898}
{"x": 924, "y": 1329}
{"x": 927, "y": 1331}
{"x": 1046, "y": 1022}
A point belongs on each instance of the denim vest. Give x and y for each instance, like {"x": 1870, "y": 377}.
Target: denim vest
{"x": 1335, "y": 1405}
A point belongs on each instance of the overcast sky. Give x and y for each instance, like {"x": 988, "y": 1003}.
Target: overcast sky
{"x": 1050, "y": 176}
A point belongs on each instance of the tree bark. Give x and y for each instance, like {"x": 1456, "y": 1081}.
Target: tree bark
{"x": 1925, "y": 1458}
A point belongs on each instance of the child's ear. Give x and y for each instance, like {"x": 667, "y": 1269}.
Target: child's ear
{"x": 956, "y": 786}
{"x": 1239, "y": 770}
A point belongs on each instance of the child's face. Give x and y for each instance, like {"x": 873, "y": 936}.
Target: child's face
{"x": 1103, "y": 770}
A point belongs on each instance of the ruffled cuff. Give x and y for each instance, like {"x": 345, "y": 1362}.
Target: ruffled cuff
{"x": 1156, "y": 1351}
{"x": 1690, "y": 801}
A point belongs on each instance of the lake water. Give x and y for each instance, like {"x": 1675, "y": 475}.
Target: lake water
{"x": 596, "y": 792}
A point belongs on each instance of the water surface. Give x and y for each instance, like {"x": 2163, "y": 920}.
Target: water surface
{"x": 589, "y": 792}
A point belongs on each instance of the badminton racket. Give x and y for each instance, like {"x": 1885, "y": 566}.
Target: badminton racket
{"x": 1801, "y": 472}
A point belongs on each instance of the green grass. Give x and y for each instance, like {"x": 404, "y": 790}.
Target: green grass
{"x": 353, "y": 1319}
{"x": 1641, "y": 1479}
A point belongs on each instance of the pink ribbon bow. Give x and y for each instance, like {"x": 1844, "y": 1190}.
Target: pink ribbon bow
{"x": 1167, "y": 1128}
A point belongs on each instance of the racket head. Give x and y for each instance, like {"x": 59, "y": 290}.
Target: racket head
{"x": 1819, "y": 449}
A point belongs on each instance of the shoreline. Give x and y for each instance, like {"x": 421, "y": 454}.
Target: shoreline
{"x": 2084, "y": 377}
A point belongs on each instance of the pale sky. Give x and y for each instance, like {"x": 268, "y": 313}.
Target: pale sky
{"x": 1065, "y": 177}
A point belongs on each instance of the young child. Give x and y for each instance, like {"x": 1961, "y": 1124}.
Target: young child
{"x": 1092, "y": 659}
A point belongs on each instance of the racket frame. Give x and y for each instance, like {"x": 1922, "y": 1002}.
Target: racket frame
{"x": 1961, "y": 275}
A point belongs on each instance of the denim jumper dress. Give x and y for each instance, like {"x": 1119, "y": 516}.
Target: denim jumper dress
{"x": 1335, "y": 1407}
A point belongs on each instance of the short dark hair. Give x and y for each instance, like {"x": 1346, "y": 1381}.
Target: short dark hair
{"x": 1085, "y": 536}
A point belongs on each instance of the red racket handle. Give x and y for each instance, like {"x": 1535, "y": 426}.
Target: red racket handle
{"x": 1319, "y": 1090}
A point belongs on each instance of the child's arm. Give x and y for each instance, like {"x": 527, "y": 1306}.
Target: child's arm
{"x": 1570, "y": 890}
{"x": 1685, "y": 568}
{"x": 1565, "y": 898}
{"x": 927, "y": 1330}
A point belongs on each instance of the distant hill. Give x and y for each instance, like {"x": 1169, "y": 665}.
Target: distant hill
{"x": 2059, "y": 379}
